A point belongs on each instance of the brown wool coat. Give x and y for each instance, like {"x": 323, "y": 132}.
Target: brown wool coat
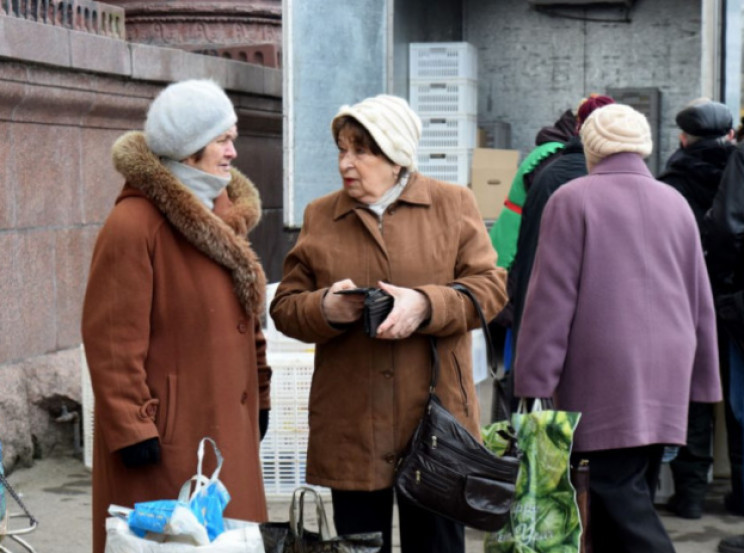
{"x": 172, "y": 339}
{"x": 368, "y": 395}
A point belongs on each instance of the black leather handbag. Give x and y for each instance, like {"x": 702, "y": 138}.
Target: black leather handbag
{"x": 294, "y": 537}
{"x": 447, "y": 471}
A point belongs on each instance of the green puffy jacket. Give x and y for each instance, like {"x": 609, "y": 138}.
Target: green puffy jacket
{"x": 505, "y": 230}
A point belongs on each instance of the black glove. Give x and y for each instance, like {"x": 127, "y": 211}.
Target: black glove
{"x": 263, "y": 422}
{"x": 141, "y": 453}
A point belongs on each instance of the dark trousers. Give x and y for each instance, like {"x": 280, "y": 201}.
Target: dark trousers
{"x": 692, "y": 464}
{"x": 420, "y": 531}
{"x": 734, "y": 431}
{"x": 622, "y": 483}
{"x": 691, "y": 467}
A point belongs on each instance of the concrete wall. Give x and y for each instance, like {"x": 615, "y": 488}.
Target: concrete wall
{"x": 413, "y": 21}
{"x": 65, "y": 96}
{"x": 533, "y": 66}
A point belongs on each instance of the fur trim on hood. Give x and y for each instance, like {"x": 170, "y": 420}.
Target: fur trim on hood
{"x": 224, "y": 240}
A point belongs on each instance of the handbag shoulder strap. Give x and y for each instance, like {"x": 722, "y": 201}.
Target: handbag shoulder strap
{"x": 492, "y": 363}
{"x": 500, "y": 399}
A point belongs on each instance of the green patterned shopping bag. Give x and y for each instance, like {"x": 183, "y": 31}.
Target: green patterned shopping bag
{"x": 544, "y": 516}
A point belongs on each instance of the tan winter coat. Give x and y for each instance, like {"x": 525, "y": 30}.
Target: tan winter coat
{"x": 368, "y": 395}
{"x": 172, "y": 339}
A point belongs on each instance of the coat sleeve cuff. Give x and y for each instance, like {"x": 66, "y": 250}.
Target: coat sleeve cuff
{"x": 316, "y": 320}
{"x": 444, "y": 302}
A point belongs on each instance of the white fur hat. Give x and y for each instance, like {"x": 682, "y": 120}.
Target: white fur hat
{"x": 612, "y": 129}
{"x": 186, "y": 116}
{"x": 391, "y": 122}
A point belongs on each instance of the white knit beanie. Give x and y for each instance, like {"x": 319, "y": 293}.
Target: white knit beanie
{"x": 612, "y": 129}
{"x": 186, "y": 116}
{"x": 391, "y": 122}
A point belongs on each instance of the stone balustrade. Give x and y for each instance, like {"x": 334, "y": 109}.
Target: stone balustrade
{"x": 85, "y": 16}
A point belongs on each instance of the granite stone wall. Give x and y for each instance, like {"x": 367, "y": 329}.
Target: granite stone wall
{"x": 65, "y": 96}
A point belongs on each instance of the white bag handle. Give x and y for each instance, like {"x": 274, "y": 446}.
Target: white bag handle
{"x": 538, "y": 404}
{"x": 200, "y": 481}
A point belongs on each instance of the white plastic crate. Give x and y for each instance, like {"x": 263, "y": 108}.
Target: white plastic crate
{"x": 444, "y": 97}
{"x": 446, "y": 165}
{"x": 284, "y": 448}
{"x": 443, "y": 60}
{"x": 275, "y": 340}
{"x": 88, "y": 410}
{"x": 448, "y": 131}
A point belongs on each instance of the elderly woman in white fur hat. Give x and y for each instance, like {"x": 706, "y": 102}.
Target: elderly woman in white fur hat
{"x": 619, "y": 325}
{"x": 171, "y": 317}
{"x": 392, "y": 228}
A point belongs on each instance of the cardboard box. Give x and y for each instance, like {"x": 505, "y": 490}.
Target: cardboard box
{"x": 491, "y": 175}
{"x": 481, "y": 139}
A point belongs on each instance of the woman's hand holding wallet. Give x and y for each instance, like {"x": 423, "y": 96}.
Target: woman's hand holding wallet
{"x": 411, "y": 308}
{"x": 389, "y": 312}
{"x": 340, "y": 307}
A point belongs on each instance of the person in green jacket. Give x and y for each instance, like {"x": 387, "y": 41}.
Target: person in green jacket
{"x": 549, "y": 141}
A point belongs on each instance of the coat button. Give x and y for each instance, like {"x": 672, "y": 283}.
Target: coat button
{"x": 390, "y": 458}
{"x": 242, "y": 327}
{"x": 244, "y": 397}
{"x": 387, "y": 374}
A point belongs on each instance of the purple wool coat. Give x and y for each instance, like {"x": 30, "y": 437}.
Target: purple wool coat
{"x": 618, "y": 322}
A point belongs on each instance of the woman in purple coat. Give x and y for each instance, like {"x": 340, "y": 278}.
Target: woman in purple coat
{"x": 619, "y": 325}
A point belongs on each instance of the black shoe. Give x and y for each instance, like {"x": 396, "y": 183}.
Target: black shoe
{"x": 732, "y": 544}
{"x": 685, "y": 509}
{"x": 733, "y": 505}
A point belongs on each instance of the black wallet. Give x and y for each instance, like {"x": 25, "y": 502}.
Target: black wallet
{"x": 377, "y": 306}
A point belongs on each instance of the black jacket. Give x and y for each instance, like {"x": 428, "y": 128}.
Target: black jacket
{"x": 696, "y": 171}
{"x": 723, "y": 228}
{"x": 569, "y": 164}
{"x": 561, "y": 131}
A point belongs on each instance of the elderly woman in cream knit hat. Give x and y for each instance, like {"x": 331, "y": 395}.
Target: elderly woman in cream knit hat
{"x": 389, "y": 227}
{"x": 171, "y": 321}
{"x": 619, "y": 325}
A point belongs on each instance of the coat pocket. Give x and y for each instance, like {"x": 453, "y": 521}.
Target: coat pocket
{"x": 170, "y": 409}
{"x": 461, "y": 384}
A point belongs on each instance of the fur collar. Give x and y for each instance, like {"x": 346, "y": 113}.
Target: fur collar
{"x": 223, "y": 239}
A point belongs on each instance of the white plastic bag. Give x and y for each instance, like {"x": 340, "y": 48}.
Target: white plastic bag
{"x": 191, "y": 524}
{"x": 238, "y": 537}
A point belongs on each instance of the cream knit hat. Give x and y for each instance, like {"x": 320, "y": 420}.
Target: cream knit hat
{"x": 391, "y": 122}
{"x": 612, "y": 129}
{"x": 186, "y": 116}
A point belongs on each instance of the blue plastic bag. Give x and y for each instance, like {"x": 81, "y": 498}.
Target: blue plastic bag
{"x": 210, "y": 497}
{"x": 196, "y": 513}
{"x": 208, "y": 504}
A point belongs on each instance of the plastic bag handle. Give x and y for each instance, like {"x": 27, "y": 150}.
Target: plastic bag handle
{"x": 297, "y": 525}
{"x": 200, "y": 481}
{"x": 534, "y": 405}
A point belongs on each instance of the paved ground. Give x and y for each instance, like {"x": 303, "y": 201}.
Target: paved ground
{"x": 57, "y": 491}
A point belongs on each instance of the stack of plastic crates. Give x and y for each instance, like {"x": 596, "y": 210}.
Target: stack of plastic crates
{"x": 443, "y": 91}
{"x": 89, "y": 405}
{"x": 283, "y": 450}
